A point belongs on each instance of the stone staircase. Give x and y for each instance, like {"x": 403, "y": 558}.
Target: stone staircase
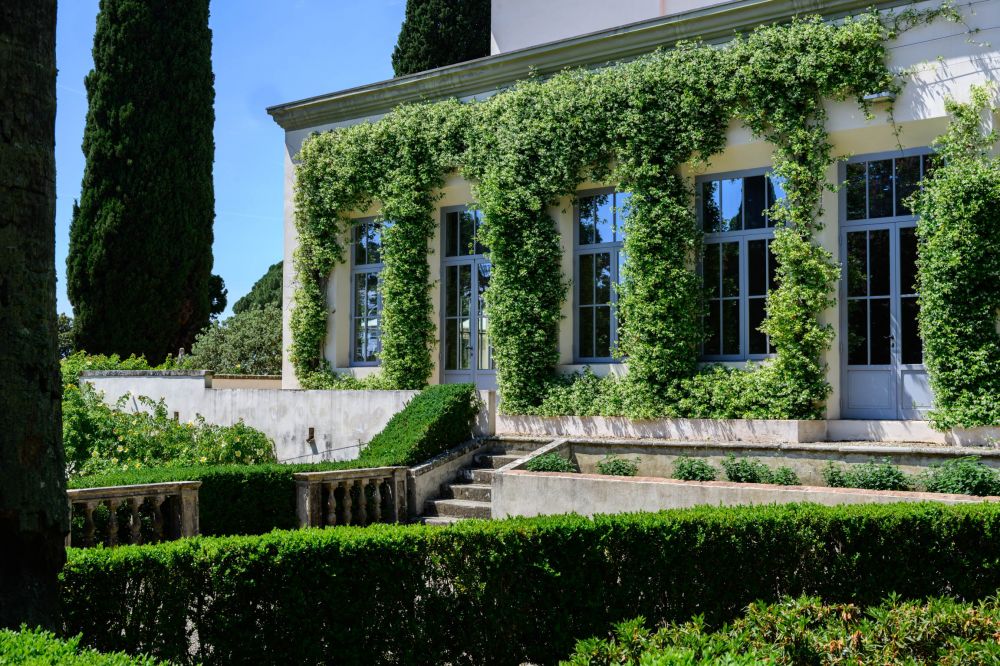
{"x": 469, "y": 495}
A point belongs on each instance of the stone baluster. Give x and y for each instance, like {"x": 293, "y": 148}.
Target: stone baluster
{"x": 362, "y": 502}
{"x": 377, "y": 496}
{"x": 112, "y": 539}
{"x": 348, "y": 503}
{"x": 135, "y": 520}
{"x": 88, "y": 523}
{"x": 330, "y": 507}
{"x": 158, "y": 501}
{"x": 390, "y": 497}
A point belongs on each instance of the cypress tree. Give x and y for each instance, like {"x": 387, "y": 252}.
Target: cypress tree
{"x": 441, "y": 32}
{"x": 265, "y": 291}
{"x": 140, "y": 255}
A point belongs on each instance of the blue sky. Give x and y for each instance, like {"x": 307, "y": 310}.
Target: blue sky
{"x": 264, "y": 52}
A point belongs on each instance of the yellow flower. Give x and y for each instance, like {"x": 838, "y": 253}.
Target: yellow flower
{"x": 238, "y": 454}
{"x": 204, "y": 459}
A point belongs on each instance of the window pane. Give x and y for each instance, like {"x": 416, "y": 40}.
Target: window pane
{"x": 908, "y": 261}
{"x": 772, "y": 268}
{"x": 856, "y": 201}
{"x": 878, "y": 262}
{"x": 711, "y": 209}
{"x": 359, "y": 341}
{"x": 467, "y": 233}
{"x": 756, "y": 311}
{"x": 451, "y": 291}
{"x": 372, "y": 295}
{"x": 711, "y": 269}
{"x": 880, "y": 188}
{"x": 622, "y": 209}
{"x": 881, "y": 349}
{"x": 602, "y": 285}
{"x": 477, "y": 216}
{"x": 360, "y": 284}
{"x": 713, "y": 341}
{"x": 907, "y": 181}
{"x": 587, "y": 332}
{"x": 754, "y": 200}
{"x": 857, "y": 332}
{"x": 465, "y": 290}
{"x": 602, "y": 326}
{"x": 775, "y": 192}
{"x": 451, "y": 344}
{"x": 730, "y": 269}
{"x": 586, "y": 289}
{"x": 730, "y": 327}
{"x": 465, "y": 343}
{"x": 857, "y": 263}
{"x": 360, "y": 255}
{"x": 732, "y": 204}
{"x": 451, "y": 234}
{"x": 913, "y": 346}
{"x": 596, "y": 219}
{"x": 757, "y": 275}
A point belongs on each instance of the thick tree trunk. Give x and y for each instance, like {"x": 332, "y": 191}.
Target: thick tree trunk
{"x": 33, "y": 512}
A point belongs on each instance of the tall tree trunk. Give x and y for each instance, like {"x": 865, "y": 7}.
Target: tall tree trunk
{"x": 33, "y": 512}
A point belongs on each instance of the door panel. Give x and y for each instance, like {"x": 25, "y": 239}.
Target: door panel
{"x": 467, "y": 355}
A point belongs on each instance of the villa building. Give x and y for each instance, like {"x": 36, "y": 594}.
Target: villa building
{"x": 875, "y": 364}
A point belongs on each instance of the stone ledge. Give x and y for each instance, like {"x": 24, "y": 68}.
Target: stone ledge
{"x": 147, "y": 373}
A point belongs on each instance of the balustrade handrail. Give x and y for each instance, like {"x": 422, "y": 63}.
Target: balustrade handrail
{"x": 172, "y": 508}
{"x": 357, "y": 496}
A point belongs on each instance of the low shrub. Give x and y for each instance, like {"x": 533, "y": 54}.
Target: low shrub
{"x": 43, "y": 648}
{"x": 248, "y": 343}
{"x": 615, "y": 466}
{"x": 807, "y": 631}
{"x": 745, "y": 470}
{"x": 869, "y": 476}
{"x": 511, "y": 591}
{"x": 693, "y": 469}
{"x": 550, "y": 462}
{"x": 964, "y": 476}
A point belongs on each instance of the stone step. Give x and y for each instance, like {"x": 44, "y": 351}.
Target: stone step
{"x": 496, "y": 461}
{"x": 458, "y": 508}
{"x": 441, "y": 521}
{"x": 482, "y": 475}
{"x": 480, "y": 492}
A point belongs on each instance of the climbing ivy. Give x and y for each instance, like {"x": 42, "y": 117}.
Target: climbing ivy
{"x": 959, "y": 270}
{"x": 635, "y": 124}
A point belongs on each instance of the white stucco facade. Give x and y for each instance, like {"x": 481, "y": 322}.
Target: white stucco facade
{"x": 938, "y": 61}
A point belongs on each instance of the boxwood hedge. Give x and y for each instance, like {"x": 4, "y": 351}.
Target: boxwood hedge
{"x": 43, "y": 648}
{"x": 506, "y": 592}
{"x": 254, "y": 499}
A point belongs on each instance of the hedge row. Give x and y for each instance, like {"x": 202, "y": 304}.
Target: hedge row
{"x": 255, "y": 499}
{"x": 43, "y": 648}
{"x": 506, "y": 592}
{"x": 807, "y": 631}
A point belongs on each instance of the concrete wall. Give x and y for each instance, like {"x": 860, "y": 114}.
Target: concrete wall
{"x": 520, "y": 493}
{"x": 341, "y": 421}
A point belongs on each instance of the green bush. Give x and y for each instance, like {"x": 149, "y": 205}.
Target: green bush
{"x": 744, "y": 470}
{"x": 615, "y": 466}
{"x": 43, "y": 648}
{"x": 693, "y": 469}
{"x": 550, "y": 462}
{"x": 963, "y": 476}
{"x": 870, "y": 476}
{"x": 248, "y": 343}
{"x": 511, "y": 591}
{"x": 807, "y": 631}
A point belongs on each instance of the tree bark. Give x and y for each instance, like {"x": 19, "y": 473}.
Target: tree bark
{"x": 33, "y": 510}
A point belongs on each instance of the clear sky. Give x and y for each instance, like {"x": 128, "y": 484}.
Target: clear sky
{"x": 264, "y": 52}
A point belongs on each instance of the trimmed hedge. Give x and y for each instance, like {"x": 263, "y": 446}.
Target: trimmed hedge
{"x": 255, "y": 499}
{"x": 806, "y": 631}
{"x": 36, "y": 646}
{"x": 506, "y": 592}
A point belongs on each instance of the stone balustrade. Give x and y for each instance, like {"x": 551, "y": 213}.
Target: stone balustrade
{"x": 137, "y": 514}
{"x": 351, "y": 496}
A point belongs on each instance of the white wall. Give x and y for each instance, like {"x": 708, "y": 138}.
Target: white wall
{"x": 518, "y": 24}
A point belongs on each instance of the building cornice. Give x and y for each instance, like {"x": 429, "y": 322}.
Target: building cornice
{"x": 715, "y": 24}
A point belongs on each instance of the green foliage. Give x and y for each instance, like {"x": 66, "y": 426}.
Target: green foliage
{"x": 43, "y": 648}
{"x": 73, "y": 365}
{"x": 438, "y": 418}
{"x": 436, "y": 33}
{"x": 784, "y": 476}
{"x": 745, "y": 470}
{"x": 67, "y": 338}
{"x": 693, "y": 469}
{"x": 511, "y": 590}
{"x": 248, "y": 343}
{"x": 963, "y": 476}
{"x": 870, "y": 476}
{"x": 550, "y": 462}
{"x": 217, "y": 296}
{"x": 808, "y": 631}
{"x": 140, "y": 257}
{"x": 615, "y": 466}
{"x": 959, "y": 270}
{"x": 264, "y": 292}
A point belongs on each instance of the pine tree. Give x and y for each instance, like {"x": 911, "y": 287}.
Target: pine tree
{"x": 140, "y": 256}
{"x": 265, "y": 291}
{"x": 441, "y": 32}
{"x": 33, "y": 513}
